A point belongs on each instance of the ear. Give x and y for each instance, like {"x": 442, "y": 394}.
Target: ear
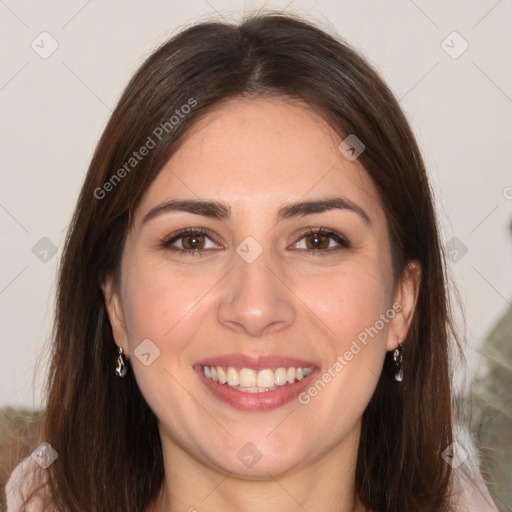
{"x": 404, "y": 304}
{"x": 115, "y": 313}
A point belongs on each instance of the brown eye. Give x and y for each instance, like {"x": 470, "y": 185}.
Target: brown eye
{"x": 317, "y": 241}
{"x": 193, "y": 242}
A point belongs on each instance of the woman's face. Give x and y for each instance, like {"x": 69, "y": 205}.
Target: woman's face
{"x": 257, "y": 294}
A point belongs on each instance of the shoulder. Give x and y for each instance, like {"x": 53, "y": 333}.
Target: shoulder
{"x": 468, "y": 489}
{"x": 27, "y": 477}
{"x": 469, "y": 493}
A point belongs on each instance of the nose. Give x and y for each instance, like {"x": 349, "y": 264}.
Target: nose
{"x": 256, "y": 299}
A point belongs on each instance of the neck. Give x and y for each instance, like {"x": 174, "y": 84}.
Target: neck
{"x": 326, "y": 484}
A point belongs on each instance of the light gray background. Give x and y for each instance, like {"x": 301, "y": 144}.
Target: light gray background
{"x": 53, "y": 111}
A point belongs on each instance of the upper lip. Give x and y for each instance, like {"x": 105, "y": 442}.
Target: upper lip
{"x": 255, "y": 361}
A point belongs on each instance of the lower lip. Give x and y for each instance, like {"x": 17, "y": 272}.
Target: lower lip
{"x": 256, "y": 401}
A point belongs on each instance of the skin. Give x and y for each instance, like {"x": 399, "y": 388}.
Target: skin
{"x": 257, "y": 155}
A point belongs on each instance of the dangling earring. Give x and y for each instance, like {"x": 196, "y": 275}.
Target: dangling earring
{"x": 121, "y": 364}
{"x": 398, "y": 358}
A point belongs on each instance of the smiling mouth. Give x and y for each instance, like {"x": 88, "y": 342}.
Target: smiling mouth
{"x": 248, "y": 380}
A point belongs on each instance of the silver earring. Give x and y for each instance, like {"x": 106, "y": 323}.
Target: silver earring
{"x": 398, "y": 358}
{"x": 121, "y": 364}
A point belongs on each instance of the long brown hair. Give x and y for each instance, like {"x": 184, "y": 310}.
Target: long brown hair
{"x": 110, "y": 456}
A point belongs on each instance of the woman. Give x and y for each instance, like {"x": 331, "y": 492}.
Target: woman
{"x": 252, "y": 312}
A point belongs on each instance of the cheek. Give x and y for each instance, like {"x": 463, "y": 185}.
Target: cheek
{"x": 352, "y": 307}
{"x": 154, "y": 304}
{"x": 163, "y": 305}
{"x": 160, "y": 308}
{"x": 349, "y": 300}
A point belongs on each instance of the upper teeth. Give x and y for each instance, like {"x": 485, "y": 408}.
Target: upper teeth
{"x": 253, "y": 381}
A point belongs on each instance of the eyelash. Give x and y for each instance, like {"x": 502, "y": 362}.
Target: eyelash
{"x": 341, "y": 240}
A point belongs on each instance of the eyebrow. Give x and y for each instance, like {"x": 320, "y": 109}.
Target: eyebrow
{"x": 222, "y": 211}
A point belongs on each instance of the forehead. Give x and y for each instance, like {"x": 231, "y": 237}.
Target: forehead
{"x": 258, "y": 154}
